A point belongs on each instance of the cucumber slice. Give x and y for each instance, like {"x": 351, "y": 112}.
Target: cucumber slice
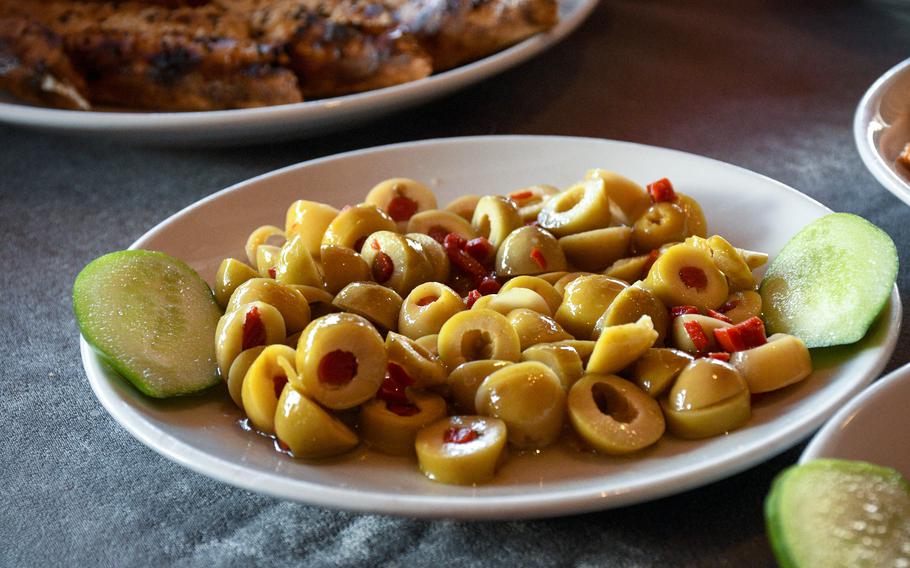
{"x": 151, "y": 318}
{"x": 830, "y": 281}
{"x": 835, "y": 513}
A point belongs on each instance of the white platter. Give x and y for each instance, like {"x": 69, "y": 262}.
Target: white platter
{"x": 881, "y": 129}
{"x": 872, "y": 428}
{"x": 242, "y": 126}
{"x": 752, "y": 210}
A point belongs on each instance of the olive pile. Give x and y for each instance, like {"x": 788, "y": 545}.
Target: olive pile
{"x": 454, "y": 333}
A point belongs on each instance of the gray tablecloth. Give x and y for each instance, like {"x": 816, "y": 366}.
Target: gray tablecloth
{"x": 771, "y": 86}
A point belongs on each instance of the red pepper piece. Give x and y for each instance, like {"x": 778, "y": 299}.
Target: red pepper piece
{"x": 661, "y": 190}
{"x": 538, "y": 258}
{"x": 473, "y": 296}
{"x": 728, "y": 306}
{"x": 481, "y": 249}
{"x": 337, "y": 367}
{"x": 375, "y": 245}
{"x": 720, "y": 356}
{"x": 649, "y": 262}
{"x": 454, "y": 245}
{"x": 718, "y": 315}
{"x": 402, "y": 409}
{"x": 454, "y": 240}
{"x": 697, "y": 335}
{"x": 459, "y": 435}
{"x": 488, "y": 286}
{"x": 272, "y": 272}
{"x": 693, "y": 277}
{"x": 519, "y": 195}
{"x": 383, "y": 267}
{"x": 438, "y": 233}
{"x": 742, "y": 336}
{"x": 253, "y": 329}
{"x": 426, "y": 300}
{"x": 677, "y": 311}
{"x": 402, "y": 208}
{"x": 279, "y": 382}
{"x": 393, "y": 386}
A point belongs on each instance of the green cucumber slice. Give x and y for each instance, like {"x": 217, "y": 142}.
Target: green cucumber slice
{"x": 151, "y": 318}
{"x": 839, "y": 513}
{"x": 830, "y": 281}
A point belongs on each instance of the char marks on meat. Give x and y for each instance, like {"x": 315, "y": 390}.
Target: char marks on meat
{"x": 176, "y": 55}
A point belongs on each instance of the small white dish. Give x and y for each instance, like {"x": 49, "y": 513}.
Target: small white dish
{"x": 753, "y": 211}
{"x": 881, "y": 129}
{"x": 873, "y": 427}
{"x": 299, "y": 120}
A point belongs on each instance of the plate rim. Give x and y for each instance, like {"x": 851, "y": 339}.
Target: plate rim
{"x": 354, "y": 106}
{"x": 817, "y": 446}
{"x": 469, "y": 507}
{"x": 863, "y": 117}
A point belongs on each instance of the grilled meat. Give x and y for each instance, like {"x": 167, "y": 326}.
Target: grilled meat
{"x": 213, "y": 54}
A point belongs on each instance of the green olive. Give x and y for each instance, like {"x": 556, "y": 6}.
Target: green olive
{"x": 782, "y": 361}
{"x": 561, "y": 359}
{"x": 584, "y": 347}
{"x": 514, "y": 299}
{"x": 529, "y": 398}
{"x": 420, "y": 364}
{"x": 465, "y": 378}
{"x": 742, "y": 305}
{"x": 461, "y": 450}
{"x": 582, "y": 207}
{"x": 620, "y": 345}
{"x": 682, "y": 336}
{"x": 435, "y": 253}
{"x": 663, "y": 222}
{"x": 427, "y": 308}
{"x": 231, "y": 274}
{"x": 378, "y": 304}
{"x": 533, "y": 327}
{"x": 263, "y": 383}
{"x": 597, "y": 249}
{"x": 538, "y": 285}
{"x": 614, "y": 416}
{"x": 585, "y": 300}
{"x": 394, "y": 433}
{"x": 495, "y": 218}
{"x": 531, "y": 195}
{"x": 309, "y": 220}
{"x": 260, "y": 237}
{"x": 629, "y": 305}
{"x": 708, "y": 398}
{"x": 463, "y": 206}
{"x": 401, "y": 198}
{"x": 267, "y": 259}
{"x": 341, "y": 361}
{"x": 687, "y": 276}
{"x": 396, "y": 262}
{"x": 237, "y": 372}
{"x": 529, "y": 250}
{"x": 552, "y": 278}
{"x": 440, "y": 222}
{"x": 308, "y": 430}
{"x": 341, "y": 266}
{"x": 430, "y": 344}
{"x": 477, "y": 334}
{"x": 353, "y": 225}
{"x": 630, "y": 269}
{"x": 296, "y": 266}
{"x": 695, "y": 218}
{"x": 628, "y": 200}
{"x": 294, "y": 308}
{"x": 732, "y": 264}
{"x": 656, "y": 370}
{"x": 319, "y": 300}
{"x": 566, "y": 279}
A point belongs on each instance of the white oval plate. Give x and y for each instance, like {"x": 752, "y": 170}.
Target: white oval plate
{"x": 881, "y": 129}
{"x": 872, "y": 428}
{"x": 242, "y": 126}
{"x": 753, "y": 211}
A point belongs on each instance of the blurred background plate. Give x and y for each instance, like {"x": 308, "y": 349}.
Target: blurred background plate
{"x": 881, "y": 129}
{"x": 241, "y": 126}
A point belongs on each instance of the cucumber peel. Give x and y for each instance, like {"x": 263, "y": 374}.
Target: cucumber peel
{"x": 830, "y": 281}
{"x": 839, "y": 513}
{"x": 151, "y": 318}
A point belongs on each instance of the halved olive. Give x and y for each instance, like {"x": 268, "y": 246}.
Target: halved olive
{"x": 708, "y": 398}
{"x": 686, "y": 337}
{"x": 263, "y": 383}
{"x": 396, "y": 261}
{"x": 238, "y": 370}
{"x": 628, "y": 200}
{"x": 231, "y": 274}
{"x": 686, "y": 276}
{"x": 296, "y": 266}
{"x": 695, "y": 218}
{"x": 401, "y": 199}
{"x": 477, "y": 334}
{"x": 435, "y": 253}
{"x": 260, "y": 237}
{"x": 656, "y": 370}
{"x": 630, "y": 269}
{"x": 378, "y": 304}
{"x": 430, "y": 344}
{"x": 582, "y": 207}
{"x": 294, "y": 308}
{"x": 534, "y": 327}
{"x": 461, "y": 450}
{"x": 620, "y": 345}
{"x": 780, "y": 362}
{"x": 663, "y": 222}
{"x": 742, "y": 305}
{"x": 463, "y": 206}
{"x": 307, "y": 430}
{"x": 536, "y": 284}
{"x": 597, "y": 249}
{"x": 439, "y": 223}
{"x": 421, "y": 365}
{"x": 245, "y": 326}
{"x": 514, "y": 299}
{"x": 529, "y": 398}
{"x": 613, "y": 415}
{"x": 392, "y": 428}
{"x": 341, "y": 266}
{"x": 427, "y": 308}
{"x": 353, "y": 225}
{"x": 494, "y": 218}
{"x": 562, "y": 359}
{"x": 309, "y": 220}
{"x": 584, "y": 301}
{"x": 584, "y": 347}
{"x": 318, "y": 299}
{"x": 531, "y": 195}
{"x": 629, "y": 305}
{"x": 465, "y": 378}
{"x": 567, "y": 278}
{"x": 341, "y": 361}
{"x": 266, "y": 259}
{"x": 529, "y": 250}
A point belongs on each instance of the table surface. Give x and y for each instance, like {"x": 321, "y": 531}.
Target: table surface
{"x": 771, "y": 86}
